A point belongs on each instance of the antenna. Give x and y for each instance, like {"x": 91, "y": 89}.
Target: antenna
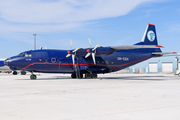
{"x": 34, "y": 41}
{"x": 71, "y": 43}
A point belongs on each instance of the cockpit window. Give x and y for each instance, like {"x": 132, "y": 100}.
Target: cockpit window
{"x": 25, "y": 55}
{"x": 21, "y": 55}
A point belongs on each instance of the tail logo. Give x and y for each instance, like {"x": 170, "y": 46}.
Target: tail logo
{"x": 151, "y": 35}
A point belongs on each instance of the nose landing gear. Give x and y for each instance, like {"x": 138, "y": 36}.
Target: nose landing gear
{"x": 14, "y": 72}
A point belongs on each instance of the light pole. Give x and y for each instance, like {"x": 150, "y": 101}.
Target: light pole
{"x": 177, "y": 58}
{"x": 34, "y": 41}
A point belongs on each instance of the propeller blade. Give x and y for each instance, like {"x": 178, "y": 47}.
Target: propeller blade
{"x": 89, "y": 41}
{"x": 95, "y": 47}
{"x": 75, "y": 50}
{"x": 68, "y": 55}
{"x": 73, "y": 56}
{"x": 93, "y": 56}
{"x": 87, "y": 55}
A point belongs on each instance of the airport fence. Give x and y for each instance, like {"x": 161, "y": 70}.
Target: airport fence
{"x": 142, "y": 71}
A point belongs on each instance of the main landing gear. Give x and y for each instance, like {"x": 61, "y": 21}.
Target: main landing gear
{"x": 73, "y": 75}
{"x": 33, "y": 77}
{"x": 91, "y": 76}
{"x": 87, "y": 76}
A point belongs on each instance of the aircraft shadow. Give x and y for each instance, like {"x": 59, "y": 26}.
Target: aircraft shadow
{"x": 150, "y": 78}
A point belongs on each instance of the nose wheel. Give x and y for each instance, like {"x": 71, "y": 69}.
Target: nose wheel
{"x": 14, "y": 72}
{"x": 33, "y": 77}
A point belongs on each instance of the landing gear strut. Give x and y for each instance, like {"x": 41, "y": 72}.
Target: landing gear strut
{"x": 33, "y": 77}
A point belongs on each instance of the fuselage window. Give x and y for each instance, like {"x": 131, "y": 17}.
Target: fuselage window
{"x": 53, "y": 60}
{"x": 28, "y": 55}
{"x": 46, "y": 60}
{"x": 107, "y": 61}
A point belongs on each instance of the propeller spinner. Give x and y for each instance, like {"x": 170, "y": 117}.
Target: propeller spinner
{"x": 92, "y": 52}
{"x": 72, "y": 53}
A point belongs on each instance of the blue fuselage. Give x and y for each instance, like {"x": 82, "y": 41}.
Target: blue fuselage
{"x": 55, "y": 61}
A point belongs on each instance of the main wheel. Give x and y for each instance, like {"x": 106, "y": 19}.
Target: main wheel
{"x": 73, "y": 75}
{"x": 33, "y": 77}
{"x": 81, "y": 76}
{"x": 94, "y": 75}
{"x": 88, "y": 76}
{"x": 91, "y": 76}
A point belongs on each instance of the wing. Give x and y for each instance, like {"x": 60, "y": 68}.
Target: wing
{"x": 135, "y": 47}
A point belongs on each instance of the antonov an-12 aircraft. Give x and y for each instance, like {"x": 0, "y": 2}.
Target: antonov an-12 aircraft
{"x": 87, "y": 61}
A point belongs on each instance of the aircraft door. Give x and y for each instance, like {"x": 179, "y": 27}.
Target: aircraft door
{"x": 59, "y": 62}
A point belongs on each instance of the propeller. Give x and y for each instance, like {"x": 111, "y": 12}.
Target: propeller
{"x": 72, "y": 52}
{"x": 92, "y": 52}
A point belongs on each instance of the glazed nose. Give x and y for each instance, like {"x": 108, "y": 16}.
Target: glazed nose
{"x": 6, "y": 62}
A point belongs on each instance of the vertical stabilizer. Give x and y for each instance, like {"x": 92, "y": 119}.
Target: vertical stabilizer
{"x": 150, "y": 37}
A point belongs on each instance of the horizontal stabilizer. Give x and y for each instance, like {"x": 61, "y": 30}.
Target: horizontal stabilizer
{"x": 165, "y": 53}
{"x": 135, "y": 47}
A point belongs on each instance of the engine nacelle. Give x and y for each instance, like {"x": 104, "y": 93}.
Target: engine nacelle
{"x": 98, "y": 51}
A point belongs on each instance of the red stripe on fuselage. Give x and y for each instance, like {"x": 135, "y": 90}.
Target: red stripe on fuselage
{"x": 39, "y": 63}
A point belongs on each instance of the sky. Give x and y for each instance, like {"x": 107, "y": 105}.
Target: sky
{"x": 105, "y": 22}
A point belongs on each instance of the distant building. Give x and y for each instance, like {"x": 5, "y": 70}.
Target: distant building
{"x": 164, "y": 64}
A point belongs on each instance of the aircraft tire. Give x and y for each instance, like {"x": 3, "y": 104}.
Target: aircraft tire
{"x": 23, "y": 73}
{"x": 94, "y": 76}
{"x": 88, "y": 76}
{"x": 14, "y": 72}
{"x": 33, "y": 77}
{"x": 81, "y": 76}
{"x": 73, "y": 75}
{"x": 91, "y": 76}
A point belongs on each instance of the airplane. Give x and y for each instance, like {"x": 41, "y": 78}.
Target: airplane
{"x": 1, "y": 62}
{"x": 87, "y": 61}
{"x": 3, "y": 67}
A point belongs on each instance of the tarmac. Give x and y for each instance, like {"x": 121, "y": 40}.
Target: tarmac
{"x": 110, "y": 97}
